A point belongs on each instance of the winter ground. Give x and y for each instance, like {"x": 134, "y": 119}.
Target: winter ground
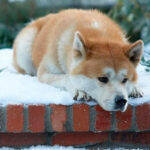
{"x": 24, "y": 89}
{"x": 61, "y": 148}
{"x": 45, "y": 148}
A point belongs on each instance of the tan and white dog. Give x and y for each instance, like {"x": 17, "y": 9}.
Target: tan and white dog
{"x": 84, "y": 52}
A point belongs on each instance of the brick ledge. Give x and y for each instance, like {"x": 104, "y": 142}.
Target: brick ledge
{"x": 79, "y": 124}
{"x": 75, "y": 118}
{"x": 79, "y": 139}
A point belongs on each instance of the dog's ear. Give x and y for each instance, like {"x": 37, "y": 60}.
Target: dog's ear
{"x": 79, "y": 46}
{"x": 135, "y": 52}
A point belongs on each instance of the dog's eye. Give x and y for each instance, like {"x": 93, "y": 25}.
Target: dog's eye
{"x": 124, "y": 80}
{"x": 103, "y": 79}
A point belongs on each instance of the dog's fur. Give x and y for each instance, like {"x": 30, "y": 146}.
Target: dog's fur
{"x": 73, "y": 48}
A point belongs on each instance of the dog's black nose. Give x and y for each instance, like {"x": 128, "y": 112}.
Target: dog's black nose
{"x": 120, "y": 101}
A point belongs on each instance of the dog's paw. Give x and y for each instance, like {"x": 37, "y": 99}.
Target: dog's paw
{"x": 81, "y": 95}
{"x": 136, "y": 93}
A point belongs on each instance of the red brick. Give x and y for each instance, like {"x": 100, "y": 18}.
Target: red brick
{"x": 22, "y": 139}
{"x": 131, "y": 138}
{"x": 79, "y": 138}
{"x": 15, "y": 118}
{"x": 102, "y": 119}
{"x": 81, "y": 117}
{"x": 58, "y": 117}
{"x": 124, "y": 119}
{"x": 143, "y": 117}
{"x": 36, "y": 118}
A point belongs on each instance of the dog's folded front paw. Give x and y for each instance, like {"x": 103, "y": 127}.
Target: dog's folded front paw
{"x": 81, "y": 95}
{"x": 136, "y": 93}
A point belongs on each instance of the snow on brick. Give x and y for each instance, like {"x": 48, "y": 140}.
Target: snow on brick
{"x": 16, "y": 88}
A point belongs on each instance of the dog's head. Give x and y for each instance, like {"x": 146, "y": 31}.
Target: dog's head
{"x": 106, "y": 69}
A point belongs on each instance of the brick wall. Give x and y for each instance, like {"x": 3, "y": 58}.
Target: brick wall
{"x": 79, "y": 124}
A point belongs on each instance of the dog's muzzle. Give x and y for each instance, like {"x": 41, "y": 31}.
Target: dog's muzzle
{"x": 120, "y": 102}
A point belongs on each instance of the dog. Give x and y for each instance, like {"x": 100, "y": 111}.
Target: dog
{"x": 83, "y": 52}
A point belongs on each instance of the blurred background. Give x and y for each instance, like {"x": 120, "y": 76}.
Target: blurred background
{"x": 132, "y": 15}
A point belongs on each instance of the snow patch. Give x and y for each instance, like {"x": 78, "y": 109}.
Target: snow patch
{"x": 40, "y": 147}
{"x": 16, "y": 88}
{"x": 56, "y": 147}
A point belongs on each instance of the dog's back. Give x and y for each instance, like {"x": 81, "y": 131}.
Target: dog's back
{"x": 53, "y": 35}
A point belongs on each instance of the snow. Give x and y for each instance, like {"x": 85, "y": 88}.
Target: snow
{"x": 147, "y": 52}
{"x": 16, "y": 88}
{"x": 40, "y": 147}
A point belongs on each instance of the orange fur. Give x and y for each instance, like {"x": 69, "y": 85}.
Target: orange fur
{"x": 105, "y": 45}
{"x": 84, "y": 46}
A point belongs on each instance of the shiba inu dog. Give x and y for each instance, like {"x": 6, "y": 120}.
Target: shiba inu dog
{"x": 83, "y": 52}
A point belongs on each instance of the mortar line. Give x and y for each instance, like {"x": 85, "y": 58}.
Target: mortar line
{"x": 25, "y": 121}
{"x": 48, "y": 126}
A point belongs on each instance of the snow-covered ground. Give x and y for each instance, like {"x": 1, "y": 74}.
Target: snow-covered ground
{"x": 23, "y": 89}
{"x": 147, "y": 52}
{"x": 17, "y": 88}
{"x": 63, "y": 148}
{"x": 45, "y": 148}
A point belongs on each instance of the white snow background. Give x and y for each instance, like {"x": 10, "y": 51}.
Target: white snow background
{"x": 40, "y": 147}
{"x": 16, "y": 88}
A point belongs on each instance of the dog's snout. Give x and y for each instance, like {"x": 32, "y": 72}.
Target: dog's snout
{"x": 120, "y": 101}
